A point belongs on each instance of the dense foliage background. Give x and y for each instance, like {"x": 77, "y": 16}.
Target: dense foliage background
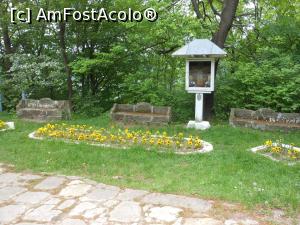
{"x": 131, "y": 62}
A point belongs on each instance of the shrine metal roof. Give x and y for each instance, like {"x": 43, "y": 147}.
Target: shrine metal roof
{"x": 200, "y": 48}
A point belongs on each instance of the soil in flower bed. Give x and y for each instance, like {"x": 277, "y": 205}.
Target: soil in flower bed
{"x": 121, "y": 138}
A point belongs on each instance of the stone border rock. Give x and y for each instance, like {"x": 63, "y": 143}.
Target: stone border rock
{"x": 10, "y": 126}
{"x": 264, "y": 147}
{"x": 207, "y": 147}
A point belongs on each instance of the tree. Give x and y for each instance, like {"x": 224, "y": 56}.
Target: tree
{"x": 101, "y": 63}
{"x": 266, "y": 74}
{"x": 62, "y": 42}
{"x": 8, "y": 48}
{"x": 227, "y": 16}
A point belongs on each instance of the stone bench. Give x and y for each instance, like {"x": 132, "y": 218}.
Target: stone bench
{"x": 43, "y": 110}
{"x": 264, "y": 119}
{"x": 141, "y": 113}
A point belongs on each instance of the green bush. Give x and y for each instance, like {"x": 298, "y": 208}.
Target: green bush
{"x": 262, "y": 75}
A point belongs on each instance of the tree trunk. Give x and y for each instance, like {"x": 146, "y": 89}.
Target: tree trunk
{"x": 7, "y": 46}
{"x": 219, "y": 38}
{"x": 227, "y": 18}
{"x": 6, "y": 39}
{"x": 62, "y": 42}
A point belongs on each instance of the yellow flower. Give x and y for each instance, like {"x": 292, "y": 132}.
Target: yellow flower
{"x": 144, "y": 140}
{"x": 40, "y": 131}
{"x": 152, "y": 141}
{"x": 129, "y": 136}
{"x": 198, "y": 143}
{"x": 168, "y": 142}
{"x": 269, "y": 143}
{"x": 81, "y": 137}
{"x": 50, "y": 126}
{"x": 2, "y": 124}
{"x": 103, "y": 139}
{"x": 276, "y": 149}
{"x": 159, "y": 141}
{"x": 190, "y": 142}
{"x": 72, "y": 130}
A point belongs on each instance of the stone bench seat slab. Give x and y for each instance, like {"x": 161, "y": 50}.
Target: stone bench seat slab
{"x": 141, "y": 113}
{"x": 265, "y": 119}
{"x": 44, "y": 110}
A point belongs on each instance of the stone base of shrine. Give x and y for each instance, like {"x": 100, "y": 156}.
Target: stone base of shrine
{"x": 203, "y": 125}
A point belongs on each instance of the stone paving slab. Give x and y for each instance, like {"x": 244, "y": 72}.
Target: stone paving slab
{"x": 50, "y": 183}
{"x": 9, "y": 192}
{"x": 34, "y": 199}
{"x": 126, "y": 212}
{"x": 75, "y": 190}
{"x": 9, "y": 178}
{"x": 10, "y": 212}
{"x": 44, "y": 213}
{"x": 195, "y": 204}
{"x": 31, "y": 197}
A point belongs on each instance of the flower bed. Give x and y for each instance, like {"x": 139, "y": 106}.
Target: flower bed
{"x": 123, "y": 138}
{"x": 6, "y": 125}
{"x": 278, "y": 151}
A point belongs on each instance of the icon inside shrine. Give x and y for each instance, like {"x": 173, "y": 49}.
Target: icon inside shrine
{"x": 199, "y": 76}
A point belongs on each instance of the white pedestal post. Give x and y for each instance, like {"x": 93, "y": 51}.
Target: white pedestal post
{"x": 199, "y": 124}
{"x": 199, "y": 108}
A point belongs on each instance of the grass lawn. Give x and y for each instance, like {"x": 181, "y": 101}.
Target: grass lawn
{"x": 230, "y": 172}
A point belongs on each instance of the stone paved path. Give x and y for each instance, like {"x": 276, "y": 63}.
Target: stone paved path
{"x": 34, "y": 199}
